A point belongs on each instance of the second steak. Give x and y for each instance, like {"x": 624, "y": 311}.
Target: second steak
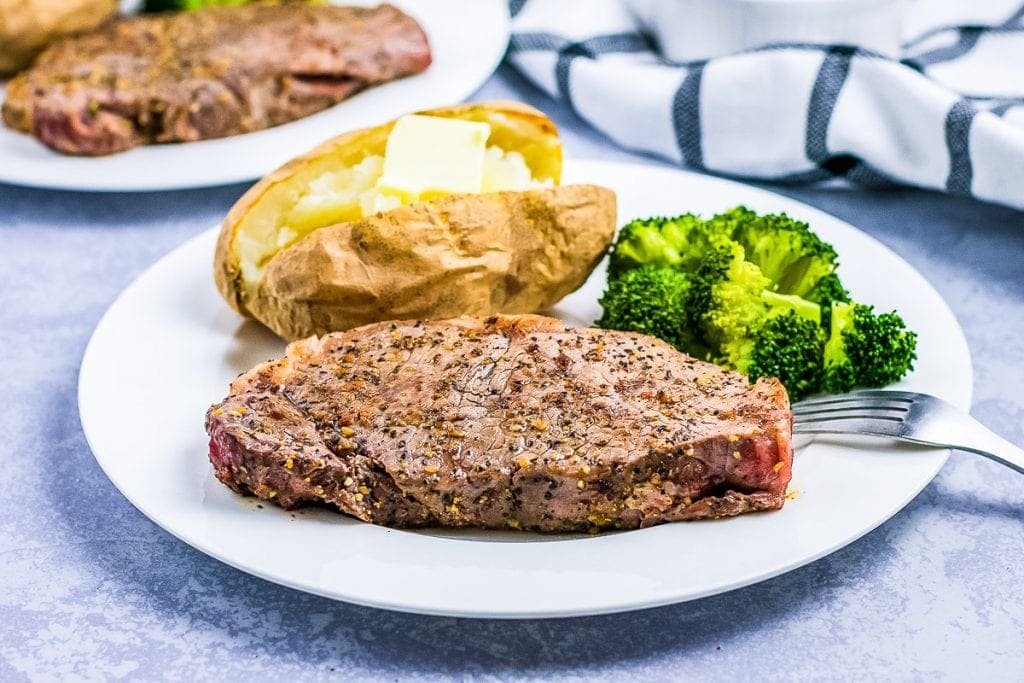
{"x": 208, "y": 73}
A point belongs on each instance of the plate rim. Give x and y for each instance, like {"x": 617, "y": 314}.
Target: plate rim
{"x": 608, "y": 606}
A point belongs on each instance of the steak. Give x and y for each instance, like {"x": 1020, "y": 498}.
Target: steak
{"x": 208, "y": 73}
{"x": 510, "y": 422}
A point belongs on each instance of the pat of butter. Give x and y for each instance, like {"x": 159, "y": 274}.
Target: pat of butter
{"x": 430, "y": 155}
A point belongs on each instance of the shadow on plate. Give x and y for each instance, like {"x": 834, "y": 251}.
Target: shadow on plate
{"x": 252, "y": 343}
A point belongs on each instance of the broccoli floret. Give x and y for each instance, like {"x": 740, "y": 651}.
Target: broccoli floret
{"x": 865, "y": 349}
{"x": 752, "y": 329}
{"x": 786, "y": 250}
{"x": 789, "y": 347}
{"x": 650, "y": 300}
{"x": 725, "y": 303}
{"x": 675, "y": 242}
{"x": 839, "y": 375}
{"x": 789, "y": 344}
{"x": 828, "y": 289}
{"x": 640, "y": 242}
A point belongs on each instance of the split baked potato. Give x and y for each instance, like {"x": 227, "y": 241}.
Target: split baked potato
{"x": 315, "y": 247}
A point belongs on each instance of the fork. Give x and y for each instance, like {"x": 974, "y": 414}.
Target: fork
{"x": 907, "y": 416}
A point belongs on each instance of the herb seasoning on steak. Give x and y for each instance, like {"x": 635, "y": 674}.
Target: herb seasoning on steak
{"x": 515, "y": 421}
{"x": 208, "y": 73}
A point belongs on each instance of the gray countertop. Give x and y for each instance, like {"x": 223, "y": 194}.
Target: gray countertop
{"x": 91, "y": 589}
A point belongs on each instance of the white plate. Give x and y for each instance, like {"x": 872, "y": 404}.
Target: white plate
{"x": 467, "y": 40}
{"x": 169, "y": 346}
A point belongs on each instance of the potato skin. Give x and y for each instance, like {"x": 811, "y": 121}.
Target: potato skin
{"x": 349, "y": 148}
{"x": 465, "y": 254}
{"x": 508, "y": 252}
{"x": 28, "y": 26}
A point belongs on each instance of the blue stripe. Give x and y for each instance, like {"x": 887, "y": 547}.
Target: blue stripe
{"x": 536, "y": 42}
{"x": 835, "y": 68}
{"x": 686, "y": 118}
{"x": 832, "y": 76}
{"x": 590, "y": 48}
{"x": 1002, "y": 108}
{"x": 1015, "y": 18}
{"x": 867, "y": 176}
{"x": 969, "y": 37}
{"x": 617, "y": 43}
{"x": 515, "y": 6}
{"x": 1011, "y": 25}
{"x": 563, "y": 68}
{"x": 958, "y": 136}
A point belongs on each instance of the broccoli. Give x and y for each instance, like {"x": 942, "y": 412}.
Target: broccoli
{"x": 789, "y": 347}
{"x": 676, "y": 242}
{"x": 650, "y": 300}
{"x": 752, "y": 329}
{"x": 725, "y": 303}
{"x": 828, "y": 289}
{"x": 757, "y": 294}
{"x": 785, "y": 249}
{"x": 866, "y": 349}
{"x": 808, "y": 310}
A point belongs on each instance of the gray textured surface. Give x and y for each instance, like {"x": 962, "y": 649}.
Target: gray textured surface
{"x": 91, "y": 589}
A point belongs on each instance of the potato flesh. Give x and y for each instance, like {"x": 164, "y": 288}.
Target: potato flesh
{"x": 349, "y": 194}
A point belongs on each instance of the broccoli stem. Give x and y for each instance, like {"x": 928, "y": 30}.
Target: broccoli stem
{"x": 790, "y": 302}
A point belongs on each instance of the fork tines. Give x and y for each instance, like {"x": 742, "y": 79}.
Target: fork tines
{"x": 884, "y": 405}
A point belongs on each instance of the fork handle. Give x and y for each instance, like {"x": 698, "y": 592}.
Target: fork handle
{"x": 984, "y": 441}
{"x": 999, "y": 449}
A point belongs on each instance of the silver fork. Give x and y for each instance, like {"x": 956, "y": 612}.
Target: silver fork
{"x": 918, "y": 418}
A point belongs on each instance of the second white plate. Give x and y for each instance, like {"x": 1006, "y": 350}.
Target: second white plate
{"x": 169, "y": 346}
{"x": 467, "y": 39}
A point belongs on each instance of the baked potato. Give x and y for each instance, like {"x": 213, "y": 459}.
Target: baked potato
{"x": 315, "y": 248}
{"x": 28, "y": 26}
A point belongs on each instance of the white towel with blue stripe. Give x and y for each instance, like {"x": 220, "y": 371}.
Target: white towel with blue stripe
{"x": 948, "y": 116}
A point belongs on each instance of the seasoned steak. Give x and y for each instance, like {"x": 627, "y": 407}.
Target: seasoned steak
{"x": 208, "y": 73}
{"x": 514, "y": 422}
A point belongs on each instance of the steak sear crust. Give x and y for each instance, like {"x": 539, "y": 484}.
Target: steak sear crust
{"x": 513, "y": 421}
{"x": 208, "y": 73}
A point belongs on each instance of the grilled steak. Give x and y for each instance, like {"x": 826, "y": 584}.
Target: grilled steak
{"x": 514, "y": 422}
{"x": 208, "y": 73}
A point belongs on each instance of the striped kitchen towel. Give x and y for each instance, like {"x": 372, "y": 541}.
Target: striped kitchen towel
{"x": 948, "y": 116}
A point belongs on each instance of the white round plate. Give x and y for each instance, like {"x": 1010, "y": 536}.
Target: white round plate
{"x": 169, "y": 346}
{"x": 467, "y": 39}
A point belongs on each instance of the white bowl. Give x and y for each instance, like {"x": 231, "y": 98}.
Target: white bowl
{"x": 688, "y": 30}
